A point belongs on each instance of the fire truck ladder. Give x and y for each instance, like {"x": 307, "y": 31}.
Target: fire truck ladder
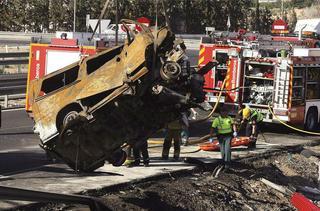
{"x": 282, "y": 87}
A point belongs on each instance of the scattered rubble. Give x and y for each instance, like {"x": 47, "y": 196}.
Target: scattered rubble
{"x": 237, "y": 188}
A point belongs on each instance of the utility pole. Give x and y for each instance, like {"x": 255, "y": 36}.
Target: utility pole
{"x": 282, "y": 15}
{"x": 74, "y": 14}
{"x": 117, "y": 21}
{"x": 257, "y": 16}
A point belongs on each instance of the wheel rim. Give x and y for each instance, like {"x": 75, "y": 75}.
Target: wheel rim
{"x": 69, "y": 117}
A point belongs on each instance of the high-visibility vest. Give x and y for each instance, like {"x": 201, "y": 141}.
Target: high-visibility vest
{"x": 255, "y": 113}
{"x": 224, "y": 125}
{"x": 175, "y": 125}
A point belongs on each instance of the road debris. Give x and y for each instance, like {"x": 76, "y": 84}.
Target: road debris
{"x": 8, "y": 193}
{"x": 239, "y": 189}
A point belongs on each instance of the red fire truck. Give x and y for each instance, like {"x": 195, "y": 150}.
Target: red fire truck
{"x": 290, "y": 84}
{"x": 215, "y": 78}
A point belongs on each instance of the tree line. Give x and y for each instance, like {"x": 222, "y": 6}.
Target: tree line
{"x": 185, "y": 16}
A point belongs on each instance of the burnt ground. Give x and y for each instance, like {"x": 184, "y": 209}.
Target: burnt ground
{"x": 239, "y": 188}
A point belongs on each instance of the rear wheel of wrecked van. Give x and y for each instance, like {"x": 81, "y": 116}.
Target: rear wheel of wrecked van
{"x": 66, "y": 115}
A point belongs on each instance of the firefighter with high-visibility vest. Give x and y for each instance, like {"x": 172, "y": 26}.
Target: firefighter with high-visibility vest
{"x": 225, "y": 129}
{"x": 173, "y": 132}
{"x": 252, "y": 119}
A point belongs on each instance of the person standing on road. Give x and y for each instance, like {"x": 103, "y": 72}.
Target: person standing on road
{"x": 174, "y": 130}
{"x": 252, "y": 119}
{"x": 225, "y": 128}
{"x": 140, "y": 147}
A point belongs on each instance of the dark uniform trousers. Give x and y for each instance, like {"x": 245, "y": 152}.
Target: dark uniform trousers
{"x": 225, "y": 147}
{"x": 174, "y": 134}
{"x": 249, "y": 129}
{"x": 141, "y": 146}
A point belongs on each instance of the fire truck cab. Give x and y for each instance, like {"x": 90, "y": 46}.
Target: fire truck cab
{"x": 226, "y": 56}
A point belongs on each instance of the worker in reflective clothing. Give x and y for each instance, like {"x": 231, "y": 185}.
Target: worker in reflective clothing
{"x": 252, "y": 119}
{"x": 225, "y": 128}
{"x": 174, "y": 130}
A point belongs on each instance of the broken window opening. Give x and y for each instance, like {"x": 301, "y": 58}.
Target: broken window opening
{"x": 222, "y": 57}
{"x": 95, "y": 63}
{"x": 58, "y": 81}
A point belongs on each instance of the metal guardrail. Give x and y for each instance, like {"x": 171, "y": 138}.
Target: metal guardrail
{"x": 6, "y": 99}
{"x": 13, "y": 83}
{"x": 14, "y": 54}
{"x": 18, "y": 38}
{"x": 14, "y": 61}
{"x": 13, "y": 97}
{"x": 14, "y": 58}
{"x": 7, "y": 77}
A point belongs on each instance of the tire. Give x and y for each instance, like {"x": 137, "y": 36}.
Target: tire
{"x": 67, "y": 115}
{"x": 118, "y": 158}
{"x": 311, "y": 122}
{"x": 71, "y": 115}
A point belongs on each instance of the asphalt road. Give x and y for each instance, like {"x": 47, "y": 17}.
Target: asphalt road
{"x": 19, "y": 149}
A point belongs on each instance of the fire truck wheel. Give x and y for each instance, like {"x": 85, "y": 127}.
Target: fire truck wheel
{"x": 311, "y": 123}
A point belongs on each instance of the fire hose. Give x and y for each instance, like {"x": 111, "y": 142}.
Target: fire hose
{"x": 205, "y": 138}
{"x": 291, "y": 127}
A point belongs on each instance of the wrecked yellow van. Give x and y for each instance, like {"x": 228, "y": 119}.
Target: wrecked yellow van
{"x": 86, "y": 111}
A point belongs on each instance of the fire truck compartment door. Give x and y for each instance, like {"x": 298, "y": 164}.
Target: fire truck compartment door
{"x": 59, "y": 59}
{"x": 281, "y": 85}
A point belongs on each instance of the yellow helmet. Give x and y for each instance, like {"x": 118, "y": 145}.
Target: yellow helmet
{"x": 246, "y": 113}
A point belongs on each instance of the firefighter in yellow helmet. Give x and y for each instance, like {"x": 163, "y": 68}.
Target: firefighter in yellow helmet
{"x": 252, "y": 119}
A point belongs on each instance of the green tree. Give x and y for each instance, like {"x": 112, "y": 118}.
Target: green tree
{"x": 257, "y": 27}
{"x": 293, "y": 20}
{"x": 5, "y": 18}
{"x": 38, "y": 16}
{"x": 17, "y": 12}
{"x": 61, "y": 15}
{"x": 266, "y": 21}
